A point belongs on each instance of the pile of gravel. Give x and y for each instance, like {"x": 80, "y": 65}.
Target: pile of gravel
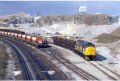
{"x": 109, "y": 38}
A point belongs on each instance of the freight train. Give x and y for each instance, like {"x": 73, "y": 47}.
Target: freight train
{"x": 85, "y": 49}
{"x": 37, "y": 41}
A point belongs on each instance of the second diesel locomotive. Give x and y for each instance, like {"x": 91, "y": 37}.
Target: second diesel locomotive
{"x": 84, "y": 48}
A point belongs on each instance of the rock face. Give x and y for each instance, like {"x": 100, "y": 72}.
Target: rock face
{"x": 18, "y": 18}
{"x": 88, "y": 19}
{"x": 116, "y": 18}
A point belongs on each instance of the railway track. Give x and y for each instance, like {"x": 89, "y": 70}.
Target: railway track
{"x": 28, "y": 69}
{"x": 111, "y": 74}
{"x": 75, "y": 69}
{"x": 26, "y": 58}
{"x": 39, "y": 63}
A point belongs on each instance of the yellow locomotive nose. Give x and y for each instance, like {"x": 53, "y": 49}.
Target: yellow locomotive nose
{"x": 90, "y": 51}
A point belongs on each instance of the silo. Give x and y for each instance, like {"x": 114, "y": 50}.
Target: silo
{"x": 82, "y": 9}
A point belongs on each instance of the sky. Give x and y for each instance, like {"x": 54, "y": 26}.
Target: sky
{"x": 58, "y": 7}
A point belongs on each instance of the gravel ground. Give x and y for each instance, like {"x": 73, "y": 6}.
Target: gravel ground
{"x": 3, "y": 59}
{"x": 16, "y": 70}
{"x": 11, "y": 68}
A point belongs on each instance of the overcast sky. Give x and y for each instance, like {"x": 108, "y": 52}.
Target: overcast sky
{"x": 58, "y": 7}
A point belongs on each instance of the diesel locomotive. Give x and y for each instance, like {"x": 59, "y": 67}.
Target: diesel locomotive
{"x": 85, "y": 49}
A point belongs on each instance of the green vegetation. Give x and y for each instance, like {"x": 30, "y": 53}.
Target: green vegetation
{"x": 3, "y": 57}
